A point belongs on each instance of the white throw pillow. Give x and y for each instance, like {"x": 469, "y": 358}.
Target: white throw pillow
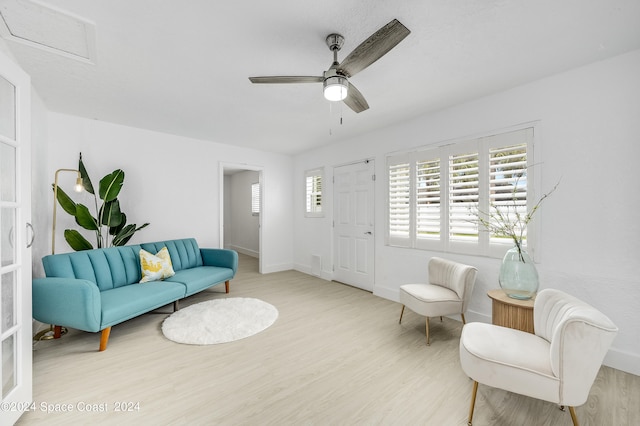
{"x": 156, "y": 267}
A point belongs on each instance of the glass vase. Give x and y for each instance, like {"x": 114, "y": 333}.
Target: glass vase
{"x": 518, "y": 275}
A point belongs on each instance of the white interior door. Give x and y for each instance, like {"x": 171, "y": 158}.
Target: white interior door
{"x": 353, "y": 191}
{"x": 15, "y": 240}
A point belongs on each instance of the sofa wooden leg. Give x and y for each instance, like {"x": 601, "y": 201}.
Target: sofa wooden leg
{"x": 175, "y": 306}
{"x": 57, "y": 331}
{"x": 401, "y": 313}
{"x": 104, "y": 338}
{"x": 226, "y": 286}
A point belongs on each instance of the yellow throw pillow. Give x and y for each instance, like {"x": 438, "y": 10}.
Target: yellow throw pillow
{"x": 156, "y": 267}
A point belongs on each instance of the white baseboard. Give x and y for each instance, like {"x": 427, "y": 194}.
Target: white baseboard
{"x": 248, "y": 252}
{"x": 267, "y": 269}
{"x": 306, "y": 269}
{"x": 623, "y": 361}
{"x": 386, "y": 293}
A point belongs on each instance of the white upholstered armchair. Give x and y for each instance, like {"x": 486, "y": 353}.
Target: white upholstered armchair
{"x": 447, "y": 293}
{"x": 558, "y": 363}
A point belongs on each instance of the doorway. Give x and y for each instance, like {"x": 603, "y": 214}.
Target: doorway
{"x": 241, "y": 209}
{"x": 353, "y": 239}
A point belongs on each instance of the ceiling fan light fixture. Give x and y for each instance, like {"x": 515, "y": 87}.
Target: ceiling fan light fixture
{"x": 336, "y": 88}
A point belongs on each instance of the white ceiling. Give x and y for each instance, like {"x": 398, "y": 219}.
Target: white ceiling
{"x": 182, "y": 67}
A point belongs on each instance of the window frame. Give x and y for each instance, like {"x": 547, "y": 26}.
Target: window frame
{"x": 313, "y": 174}
{"x": 483, "y": 245}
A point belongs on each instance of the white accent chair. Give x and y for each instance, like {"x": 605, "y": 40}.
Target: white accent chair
{"x": 558, "y": 363}
{"x": 447, "y": 293}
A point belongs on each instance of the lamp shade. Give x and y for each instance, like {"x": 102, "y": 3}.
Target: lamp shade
{"x": 335, "y": 88}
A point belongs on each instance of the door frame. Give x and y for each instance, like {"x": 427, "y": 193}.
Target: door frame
{"x": 240, "y": 167}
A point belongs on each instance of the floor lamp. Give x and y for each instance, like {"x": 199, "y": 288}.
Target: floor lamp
{"x": 54, "y": 332}
{"x": 78, "y": 188}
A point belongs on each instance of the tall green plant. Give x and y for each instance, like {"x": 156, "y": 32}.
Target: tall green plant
{"x": 109, "y": 223}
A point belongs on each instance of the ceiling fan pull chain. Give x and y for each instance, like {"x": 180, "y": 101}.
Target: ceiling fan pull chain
{"x": 330, "y": 115}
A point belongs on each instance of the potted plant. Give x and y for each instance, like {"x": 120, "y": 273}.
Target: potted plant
{"x": 109, "y": 223}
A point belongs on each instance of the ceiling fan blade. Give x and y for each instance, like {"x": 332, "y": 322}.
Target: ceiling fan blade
{"x": 355, "y": 100}
{"x": 286, "y": 79}
{"x": 373, "y": 48}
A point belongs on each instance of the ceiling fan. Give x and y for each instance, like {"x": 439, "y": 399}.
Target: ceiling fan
{"x": 335, "y": 80}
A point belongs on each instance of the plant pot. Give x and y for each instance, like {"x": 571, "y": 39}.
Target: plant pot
{"x": 518, "y": 275}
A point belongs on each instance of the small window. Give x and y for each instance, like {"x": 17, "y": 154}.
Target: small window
{"x": 255, "y": 198}
{"x": 313, "y": 188}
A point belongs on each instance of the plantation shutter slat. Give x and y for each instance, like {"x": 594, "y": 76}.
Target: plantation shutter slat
{"x": 464, "y": 190}
{"x": 399, "y": 200}
{"x": 255, "y": 198}
{"x": 314, "y": 194}
{"x": 428, "y": 210}
{"x": 508, "y": 186}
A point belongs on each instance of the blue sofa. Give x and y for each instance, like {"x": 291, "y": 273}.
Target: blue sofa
{"x": 93, "y": 290}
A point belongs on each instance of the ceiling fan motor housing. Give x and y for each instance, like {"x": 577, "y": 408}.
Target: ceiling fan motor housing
{"x": 335, "y": 42}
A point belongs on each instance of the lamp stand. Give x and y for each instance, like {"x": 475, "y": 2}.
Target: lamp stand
{"x": 56, "y": 331}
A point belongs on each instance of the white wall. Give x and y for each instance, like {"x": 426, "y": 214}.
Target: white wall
{"x": 40, "y": 185}
{"x": 171, "y": 182}
{"x": 241, "y": 226}
{"x": 589, "y": 137}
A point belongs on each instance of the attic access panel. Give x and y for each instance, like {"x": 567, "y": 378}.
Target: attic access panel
{"x": 43, "y": 27}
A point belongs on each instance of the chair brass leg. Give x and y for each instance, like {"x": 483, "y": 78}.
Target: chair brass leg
{"x": 473, "y": 401}
{"x": 401, "y": 313}
{"x": 463, "y": 320}
{"x": 427, "y": 326}
{"x": 574, "y": 418}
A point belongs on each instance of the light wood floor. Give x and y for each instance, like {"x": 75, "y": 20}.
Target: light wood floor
{"x": 335, "y": 356}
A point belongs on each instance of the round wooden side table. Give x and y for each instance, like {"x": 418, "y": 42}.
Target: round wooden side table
{"x": 509, "y": 312}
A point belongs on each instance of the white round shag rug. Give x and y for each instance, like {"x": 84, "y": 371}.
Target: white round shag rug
{"x": 219, "y": 321}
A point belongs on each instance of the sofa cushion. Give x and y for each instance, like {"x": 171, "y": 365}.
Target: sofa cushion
{"x": 123, "y": 303}
{"x": 107, "y": 268}
{"x": 155, "y": 267}
{"x": 197, "y": 279}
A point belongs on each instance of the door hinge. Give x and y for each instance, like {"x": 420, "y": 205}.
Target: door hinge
{"x": 373, "y": 177}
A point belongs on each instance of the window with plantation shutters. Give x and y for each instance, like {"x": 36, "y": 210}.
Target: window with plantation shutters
{"x": 436, "y": 194}
{"x": 313, "y": 193}
{"x": 399, "y": 202}
{"x": 255, "y": 198}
